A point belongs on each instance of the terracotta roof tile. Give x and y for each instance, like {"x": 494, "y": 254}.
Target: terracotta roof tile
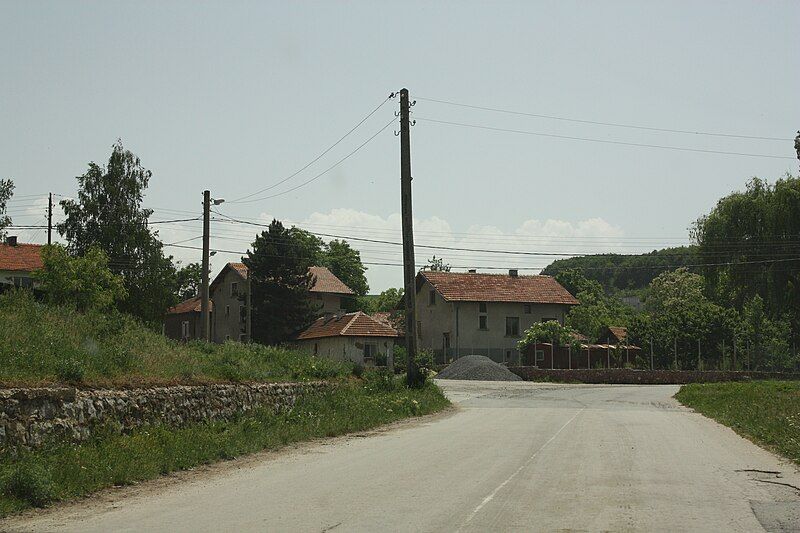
{"x": 620, "y": 333}
{"x": 355, "y": 324}
{"x": 467, "y": 287}
{"x": 21, "y": 257}
{"x": 189, "y": 306}
{"x": 325, "y": 281}
{"x": 239, "y": 268}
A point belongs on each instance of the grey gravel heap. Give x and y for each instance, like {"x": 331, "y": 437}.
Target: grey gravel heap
{"x": 477, "y": 367}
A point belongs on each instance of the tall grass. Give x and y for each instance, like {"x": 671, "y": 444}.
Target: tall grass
{"x": 767, "y": 412}
{"x": 66, "y": 471}
{"x": 42, "y": 343}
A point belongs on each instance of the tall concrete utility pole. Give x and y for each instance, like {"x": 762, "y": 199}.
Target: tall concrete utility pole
{"x": 409, "y": 264}
{"x": 205, "y": 317}
{"x": 50, "y": 219}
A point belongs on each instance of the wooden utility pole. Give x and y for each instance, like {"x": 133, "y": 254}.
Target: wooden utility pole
{"x": 413, "y": 377}
{"x": 50, "y": 219}
{"x": 204, "y": 302}
{"x": 651, "y": 354}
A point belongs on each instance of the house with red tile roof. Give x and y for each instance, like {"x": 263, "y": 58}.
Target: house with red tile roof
{"x": 356, "y": 337}
{"x": 230, "y": 292}
{"x": 328, "y": 293}
{"x": 17, "y": 262}
{"x": 183, "y": 321}
{"x": 465, "y": 313}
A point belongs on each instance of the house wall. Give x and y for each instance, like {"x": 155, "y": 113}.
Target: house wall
{"x": 460, "y": 320}
{"x": 16, "y": 277}
{"x": 346, "y": 348}
{"x": 173, "y": 321}
{"x": 227, "y": 319}
{"x": 326, "y": 303}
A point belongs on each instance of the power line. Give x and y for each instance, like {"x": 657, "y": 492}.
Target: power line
{"x": 331, "y": 147}
{"x": 340, "y": 161}
{"x": 604, "y": 141}
{"x": 599, "y": 123}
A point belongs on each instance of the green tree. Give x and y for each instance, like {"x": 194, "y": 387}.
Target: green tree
{"x": 437, "y": 264}
{"x": 188, "y": 279}
{"x": 108, "y": 214}
{"x": 345, "y": 263}
{"x": 597, "y": 309}
{"x": 749, "y": 243}
{"x": 6, "y": 192}
{"x": 550, "y": 331}
{"x": 278, "y": 270}
{"x": 389, "y": 300}
{"x": 85, "y": 282}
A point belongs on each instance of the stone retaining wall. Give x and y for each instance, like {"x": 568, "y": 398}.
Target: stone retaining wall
{"x": 32, "y": 417}
{"x": 630, "y": 376}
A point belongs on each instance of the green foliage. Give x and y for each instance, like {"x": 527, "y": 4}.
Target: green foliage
{"x": 597, "y": 309}
{"x": 48, "y": 343}
{"x": 437, "y": 264}
{"x": 107, "y": 214}
{"x": 278, "y": 269}
{"x": 188, "y": 280}
{"x": 758, "y": 224}
{"x": 550, "y": 331}
{"x": 85, "y": 282}
{"x": 31, "y": 483}
{"x": 617, "y": 272}
{"x": 62, "y": 472}
{"x": 767, "y": 412}
{"x": 424, "y": 359}
{"x": 345, "y": 263}
{"x": 6, "y": 192}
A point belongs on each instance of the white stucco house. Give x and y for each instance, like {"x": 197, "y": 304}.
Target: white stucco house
{"x": 356, "y": 337}
{"x": 464, "y": 313}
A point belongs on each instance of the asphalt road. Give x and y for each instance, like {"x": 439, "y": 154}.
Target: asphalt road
{"x": 514, "y": 456}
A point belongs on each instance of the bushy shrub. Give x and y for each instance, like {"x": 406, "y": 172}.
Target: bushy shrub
{"x": 31, "y": 483}
{"x": 70, "y": 370}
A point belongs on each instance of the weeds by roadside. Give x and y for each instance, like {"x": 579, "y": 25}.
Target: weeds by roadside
{"x": 63, "y": 472}
{"x": 767, "y": 412}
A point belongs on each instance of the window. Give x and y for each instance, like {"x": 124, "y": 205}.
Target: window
{"x": 185, "y": 329}
{"x": 227, "y": 337}
{"x": 539, "y": 355}
{"x": 482, "y": 322}
{"x": 482, "y": 307}
{"x": 432, "y": 297}
{"x": 527, "y": 309}
{"x": 227, "y": 310}
{"x": 316, "y": 348}
{"x": 508, "y": 356}
{"x": 242, "y": 314}
{"x": 234, "y": 289}
{"x": 369, "y": 351}
{"x": 512, "y": 326}
{"x": 419, "y": 328}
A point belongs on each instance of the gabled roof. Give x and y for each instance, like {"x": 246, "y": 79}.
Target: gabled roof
{"x": 356, "y": 324}
{"x": 473, "y": 287}
{"x": 192, "y": 305}
{"x": 618, "y": 332}
{"x": 325, "y": 281}
{"x": 239, "y": 268}
{"x": 21, "y": 257}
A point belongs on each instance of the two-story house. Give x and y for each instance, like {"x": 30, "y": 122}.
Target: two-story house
{"x": 465, "y": 313}
{"x": 230, "y": 296}
{"x": 328, "y": 293}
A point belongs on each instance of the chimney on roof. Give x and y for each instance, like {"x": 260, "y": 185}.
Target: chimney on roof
{"x": 11, "y": 240}
{"x": 473, "y": 271}
{"x": 513, "y": 272}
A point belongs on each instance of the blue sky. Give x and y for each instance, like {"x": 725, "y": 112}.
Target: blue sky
{"x": 236, "y": 96}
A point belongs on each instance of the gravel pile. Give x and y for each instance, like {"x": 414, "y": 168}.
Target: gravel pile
{"x": 477, "y": 367}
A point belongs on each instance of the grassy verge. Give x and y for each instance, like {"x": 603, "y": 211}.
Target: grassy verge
{"x": 62, "y": 472}
{"x": 42, "y": 344}
{"x": 766, "y": 412}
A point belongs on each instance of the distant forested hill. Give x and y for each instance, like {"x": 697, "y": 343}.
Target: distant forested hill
{"x": 617, "y": 272}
